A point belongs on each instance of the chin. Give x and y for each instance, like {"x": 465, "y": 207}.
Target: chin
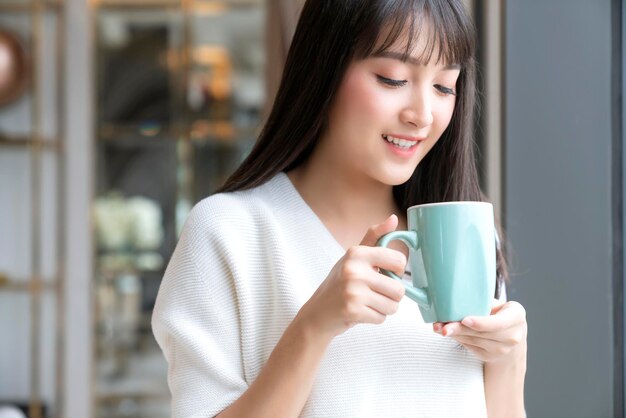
{"x": 396, "y": 177}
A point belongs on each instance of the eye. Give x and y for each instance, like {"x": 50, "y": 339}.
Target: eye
{"x": 390, "y": 82}
{"x": 445, "y": 90}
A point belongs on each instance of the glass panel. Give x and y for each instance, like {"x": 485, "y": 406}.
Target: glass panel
{"x": 15, "y": 98}
{"x": 15, "y": 352}
{"x": 135, "y": 233}
{"x": 49, "y": 216}
{"x": 48, "y": 352}
{"x": 15, "y": 367}
{"x": 47, "y": 73}
{"x": 139, "y": 116}
{"x": 169, "y": 133}
{"x": 214, "y": 161}
{"x": 15, "y": 214}
{"x": 226, "y": 90}
{"x": 138, "y": 55}
{"x": 225, "y": 94}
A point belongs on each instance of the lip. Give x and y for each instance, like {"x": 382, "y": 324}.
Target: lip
{"x": 403, "y": 153}
{"x": 406, "y": 137}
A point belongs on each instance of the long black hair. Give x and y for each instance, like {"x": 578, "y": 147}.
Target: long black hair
{"x": 331, "y": 34}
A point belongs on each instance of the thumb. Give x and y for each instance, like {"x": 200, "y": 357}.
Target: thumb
{"x": 376, "y": 231}
{"x": 497, "y": 306}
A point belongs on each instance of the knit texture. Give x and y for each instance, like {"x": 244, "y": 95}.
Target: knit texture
{"x": 244, "y": 265}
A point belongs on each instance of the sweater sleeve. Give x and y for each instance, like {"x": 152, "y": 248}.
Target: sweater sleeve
{"x": 196, "y": 323}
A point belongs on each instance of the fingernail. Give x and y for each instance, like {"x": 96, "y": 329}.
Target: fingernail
{"x": 468, "y": 322}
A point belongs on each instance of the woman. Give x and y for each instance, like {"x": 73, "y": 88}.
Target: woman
{"x": 272, "y": 304}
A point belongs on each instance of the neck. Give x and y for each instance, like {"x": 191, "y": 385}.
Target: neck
{"x": 346, "y": 203}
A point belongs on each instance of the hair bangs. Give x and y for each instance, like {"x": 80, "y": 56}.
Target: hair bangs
{"x": 433, "y": 30}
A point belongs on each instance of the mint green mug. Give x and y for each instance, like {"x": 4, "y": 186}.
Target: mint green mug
{"x": 452, "y": 255}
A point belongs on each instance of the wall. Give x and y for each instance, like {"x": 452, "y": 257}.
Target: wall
{"x": 559, "y": 202}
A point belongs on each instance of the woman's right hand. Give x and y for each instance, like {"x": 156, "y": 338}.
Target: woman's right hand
{"x": 354, "y": 291}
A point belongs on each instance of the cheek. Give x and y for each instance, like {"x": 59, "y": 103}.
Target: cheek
{"x": 359, "y": 100}
{"x": 444, "y": 116}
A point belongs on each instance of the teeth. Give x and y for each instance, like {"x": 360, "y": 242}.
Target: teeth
{"x": 399, "y": 142}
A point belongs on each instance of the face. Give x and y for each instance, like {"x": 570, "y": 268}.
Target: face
{"x": 388, "y": 114}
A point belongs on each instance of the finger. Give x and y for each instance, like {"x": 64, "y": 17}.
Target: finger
{"x": 506, "y": 316}
{"x": 438, "y": 326}
{"x": 448, "y": 328}
{"x": 455, "y": 329}
{"x": 479, "y": 341}
{"x": 372, "y": 316}
{"x": 496, "y": 306}
{"x": 382, "y": 304}
{"x": 386, "y": 286}
{"x": 376, "y": 231}
{"x": 379, "y": 257}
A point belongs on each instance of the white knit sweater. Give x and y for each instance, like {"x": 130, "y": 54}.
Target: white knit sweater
{"x": 244, "y": 265}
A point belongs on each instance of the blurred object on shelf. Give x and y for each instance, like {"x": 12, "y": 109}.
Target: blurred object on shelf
{"x": 10, "y": 412}
{"x": 119, "y": 307}
{"x": 129, "y": 232}
{"x": 215, "y": 82}
{"x": 209, "y": 92}
{"x": 220, "y": 131}
{"x": 133, "y": 224}
{"x": 14, "y": 67}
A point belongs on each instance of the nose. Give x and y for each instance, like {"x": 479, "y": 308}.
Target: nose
{"x": 418, "y": 112}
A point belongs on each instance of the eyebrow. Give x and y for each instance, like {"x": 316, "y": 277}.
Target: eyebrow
{"x": 411, "y": 60}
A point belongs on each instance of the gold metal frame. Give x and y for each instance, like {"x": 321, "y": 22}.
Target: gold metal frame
{"x": 34, "y": 286}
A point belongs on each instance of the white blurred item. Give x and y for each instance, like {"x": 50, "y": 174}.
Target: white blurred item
{"x": 113, "y": 222}
{"x": 128, "y": 224}
{"x": 147, "y": 231}
{"x": 10, "y": 412}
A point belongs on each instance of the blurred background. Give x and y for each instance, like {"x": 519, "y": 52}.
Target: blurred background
{"x": 117, "y": 116}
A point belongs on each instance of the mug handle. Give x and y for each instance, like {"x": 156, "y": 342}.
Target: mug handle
{"x": 410, "y": 239}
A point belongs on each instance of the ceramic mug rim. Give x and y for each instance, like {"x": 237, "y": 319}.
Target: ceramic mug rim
{"x": 455, "y": 203}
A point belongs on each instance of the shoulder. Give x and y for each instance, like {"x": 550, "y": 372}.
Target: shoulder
{"x": 243, "y": 209}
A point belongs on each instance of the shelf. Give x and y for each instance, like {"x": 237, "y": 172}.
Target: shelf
{"x": 30, "y": 6}
{"x": 27, "y": 286}
{"x": 148, "y": 132}
{"x": 197, "y": 6}
{"x": 145, "y": 378}
{"x": 137, "y": 5}
{"x": 201, "y": 132}
{"x": 111, "y": 265}
{"x": 29, "y": 142}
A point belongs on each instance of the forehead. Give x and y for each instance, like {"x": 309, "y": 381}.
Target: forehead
{"x": 415, "y": 42}
{"x": 422, "y": 38}
{"x": 418, "y": 61}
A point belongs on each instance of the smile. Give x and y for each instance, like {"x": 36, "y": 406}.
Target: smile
{"x": 401, "y": 143}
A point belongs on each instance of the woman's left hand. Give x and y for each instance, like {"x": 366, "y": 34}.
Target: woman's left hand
{"x": 492, "y": 338}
